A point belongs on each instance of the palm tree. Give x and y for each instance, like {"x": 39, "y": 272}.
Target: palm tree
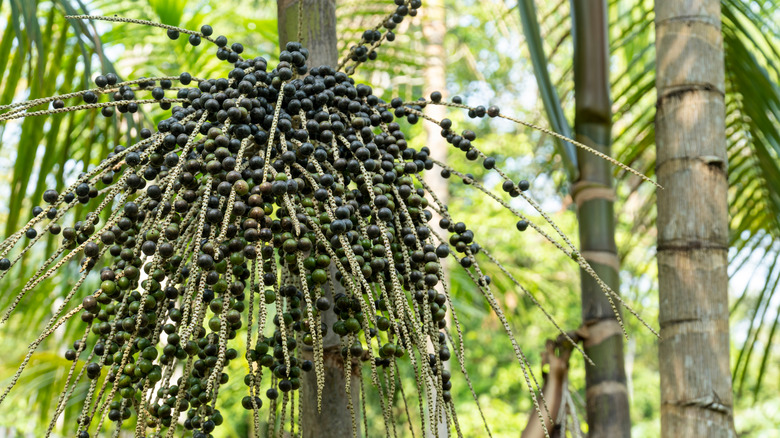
{"x": 606, "y": 394}
{"x": 325, "y": 414}
{"x": 696, "y": 394}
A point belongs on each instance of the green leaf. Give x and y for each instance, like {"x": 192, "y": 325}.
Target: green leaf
{"x": 5, "y": 48}
{"x": 169, "y": 11}
{"x": 548, "y": 92}
{"x": 33, "y": 31}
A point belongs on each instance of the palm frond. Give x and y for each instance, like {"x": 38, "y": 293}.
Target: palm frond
{"x": 752, "y": 75}
{"x": 552, "y": 103}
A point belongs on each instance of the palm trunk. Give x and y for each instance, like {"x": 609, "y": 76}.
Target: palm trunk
{"x": 434, "y": 29}
{"x": 696, "y": 393}
{"x": 334, "y": 420}
{"x": 319, "y": 29}
{"x": 606, "y": 394}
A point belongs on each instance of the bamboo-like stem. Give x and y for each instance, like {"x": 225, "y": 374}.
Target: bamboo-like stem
{"x": 693, "y": 235}
{"x": 606, "y": 392}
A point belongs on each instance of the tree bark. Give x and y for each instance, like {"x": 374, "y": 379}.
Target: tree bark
{"x": 434, "y": 29}
{"x": 606, "y": 393}
{"x": 319, "y": 29}
{"x": 334, "y": 420}
{"x": 696, "y": 392}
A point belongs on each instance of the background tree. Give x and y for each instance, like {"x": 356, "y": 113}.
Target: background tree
{"x": 434, "y": 29}
{"x": 605, "y": 383}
